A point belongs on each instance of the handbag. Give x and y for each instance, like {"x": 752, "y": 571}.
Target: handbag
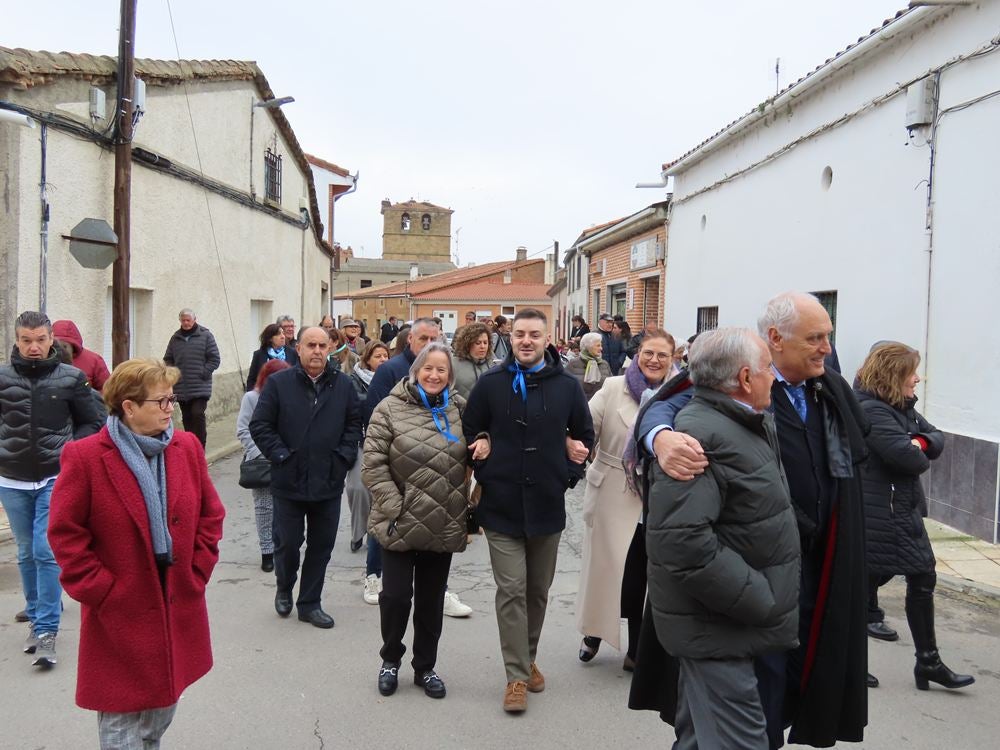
{"x": 255, "y": 473}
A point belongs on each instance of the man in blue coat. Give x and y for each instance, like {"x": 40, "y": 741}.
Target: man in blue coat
{"x": 528, "y": 405}
{"x": 308, "y": 423}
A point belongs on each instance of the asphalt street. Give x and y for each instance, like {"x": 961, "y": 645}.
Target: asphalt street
{"x": 284, "y": 684}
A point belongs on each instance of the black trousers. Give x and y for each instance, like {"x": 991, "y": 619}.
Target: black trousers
{"x": 316, "y": 524}
{"x": 420, "y": 578}
{"x": 193, "y": 417}
{"x": 634, "y": 588}
{"x": 919, "y": 606}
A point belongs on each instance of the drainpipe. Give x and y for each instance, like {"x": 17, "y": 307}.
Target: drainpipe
{"x": 44, "y": 231}
{"x": 335, "y": 266}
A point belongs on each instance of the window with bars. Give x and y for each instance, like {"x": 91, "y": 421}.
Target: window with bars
{"x": 829, "y": 301}
{"x": 708, "y": 319}
{"x": 272, "y": 176}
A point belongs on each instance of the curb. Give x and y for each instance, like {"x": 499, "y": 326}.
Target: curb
{"x": 217, "y": 454}
{"x": 982, "y": 594}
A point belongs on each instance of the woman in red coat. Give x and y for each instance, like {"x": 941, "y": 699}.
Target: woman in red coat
{"x": 135, "y": 525}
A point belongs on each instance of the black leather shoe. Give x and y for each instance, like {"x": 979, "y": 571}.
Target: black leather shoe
{"x": 283, "y": 603}
{"x": 388, "y": 677}
{"x": 267, "y": 563}
{"x": 432, "y": 684}
{"x": 588, "y": 648}
{"x": 882, "y": 632}
{"x": 317, "y": 617}
{"x": 356, "y": 545}
{"x": 871, "y": 680}
{"x": 21, "y": 616}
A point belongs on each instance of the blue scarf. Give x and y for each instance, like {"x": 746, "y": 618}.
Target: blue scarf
{"x": 143, "y": 455}
{"x": 519, "y": 373}
{"x": 438, "y": 413}
{"x": 276, "y": 353}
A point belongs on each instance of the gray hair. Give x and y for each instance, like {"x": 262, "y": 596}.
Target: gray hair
{"x": 187, "y": 311}
{"x": 282, "y": 319}
{"x": 434, "y": 346}
{"x": 589, "y": 339}
{"x": 31, "y": 319}
{"x": 716, "y": 357}
{"x": 782, "y": 313}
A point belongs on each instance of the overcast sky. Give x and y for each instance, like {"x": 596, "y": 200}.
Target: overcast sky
{"x": 531, "y": 120}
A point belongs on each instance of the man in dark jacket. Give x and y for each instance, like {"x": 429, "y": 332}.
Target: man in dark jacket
{"x": 821, "y": 433}
{"x": 308, "y": 423}
{"x": 613, "y": 350}
{"x": 43, "y": 405}
{"x": 723, "y": 548}
{"x": 92, "y": 363}
{"x": 193, "y": 351}
{"x": 389, "y": 330}
{"x": 389, "y": 373}
{"x": 527, "y": 405}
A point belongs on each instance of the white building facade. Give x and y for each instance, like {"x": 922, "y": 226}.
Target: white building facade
{"x": 224, "y": 216}
{"x": 871, "y": 182}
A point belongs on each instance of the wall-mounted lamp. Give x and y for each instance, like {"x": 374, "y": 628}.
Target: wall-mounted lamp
{"x": 16, "y": 118}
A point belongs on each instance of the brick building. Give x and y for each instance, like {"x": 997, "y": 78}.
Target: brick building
{"x": 626, "y": 263}
{"x": 488, "y": 290}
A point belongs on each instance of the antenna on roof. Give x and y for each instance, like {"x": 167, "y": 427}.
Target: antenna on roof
{"x": 777, "y": 76}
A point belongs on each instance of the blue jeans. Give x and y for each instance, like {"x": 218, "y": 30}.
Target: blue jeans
{"x": 28, "y": 513}
{"x": 374, "y": 562}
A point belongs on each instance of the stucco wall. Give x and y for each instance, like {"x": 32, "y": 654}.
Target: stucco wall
{"x": 175, "y": 263}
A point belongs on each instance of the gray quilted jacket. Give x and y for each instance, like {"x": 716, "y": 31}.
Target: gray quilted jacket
{"x": 416, "y": 477}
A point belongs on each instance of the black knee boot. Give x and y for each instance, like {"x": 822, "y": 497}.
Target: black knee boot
{"x": 920, "y": 616}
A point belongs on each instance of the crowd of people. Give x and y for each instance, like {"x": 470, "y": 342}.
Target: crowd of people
{"x": 743, "y": 504}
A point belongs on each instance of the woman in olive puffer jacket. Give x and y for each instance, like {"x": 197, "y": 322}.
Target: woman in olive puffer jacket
{"x": 901, "y": 446}
{"x": 415, "y": 465}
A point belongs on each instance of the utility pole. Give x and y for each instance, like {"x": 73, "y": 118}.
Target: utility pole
{"x": 123, "y": 184}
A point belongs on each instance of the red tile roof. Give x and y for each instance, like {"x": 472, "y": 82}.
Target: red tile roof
{"x": 436, "y": 281}
{"x": 327, "y": 165}
{"x": 490, "y": 291}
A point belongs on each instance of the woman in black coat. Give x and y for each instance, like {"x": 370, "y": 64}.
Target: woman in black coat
{"x": 272, "y": 346}
{"x": 901, "y": 446}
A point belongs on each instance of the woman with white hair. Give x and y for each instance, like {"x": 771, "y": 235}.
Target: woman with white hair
{"x": 589, "y": 368}
{"x": 415, "y": 464}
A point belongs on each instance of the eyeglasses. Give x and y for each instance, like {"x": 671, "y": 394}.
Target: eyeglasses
{"x": 660, "y": 357}
{"x": 165, "y": 403}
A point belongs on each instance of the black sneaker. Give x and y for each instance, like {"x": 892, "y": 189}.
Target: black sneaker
{"x": 388, "y": 677}
{"x": 432, "y": 684}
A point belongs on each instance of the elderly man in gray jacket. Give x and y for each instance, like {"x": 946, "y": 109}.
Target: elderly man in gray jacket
{"x": 724, "y": 548}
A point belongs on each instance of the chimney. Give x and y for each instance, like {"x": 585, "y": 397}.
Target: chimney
{"x": 521, "y": 254}
{"x": 550, "y": 268}
{"x": 414, "y": 271}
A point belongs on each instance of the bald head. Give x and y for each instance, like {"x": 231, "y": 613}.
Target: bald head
{"x": 313, "y": 348}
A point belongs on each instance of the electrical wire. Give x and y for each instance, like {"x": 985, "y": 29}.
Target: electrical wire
{"x": 208, "y": 206}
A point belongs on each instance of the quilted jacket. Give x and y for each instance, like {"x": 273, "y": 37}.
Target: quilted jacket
{"x": 896, "y": 541}
{"x": 416, "y": 477}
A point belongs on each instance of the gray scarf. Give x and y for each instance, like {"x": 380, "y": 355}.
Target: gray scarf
{"x": 143, "y": 455}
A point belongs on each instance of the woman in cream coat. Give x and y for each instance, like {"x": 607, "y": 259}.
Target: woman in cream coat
{"x": 613, "y": 573}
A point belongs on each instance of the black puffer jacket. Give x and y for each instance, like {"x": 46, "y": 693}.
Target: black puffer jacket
{"x": 525, "y": 478}
{"x": 723, "y": 548}
{"x": 196, "y": 355}
{"x": 310, "y": 433}
{"x": 895, "y": 505}
{"x": 43, "y": 405}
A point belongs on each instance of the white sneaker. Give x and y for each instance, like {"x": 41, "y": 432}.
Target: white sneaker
{"x": 373, "y": 584}
{"x": 453, "y": 607}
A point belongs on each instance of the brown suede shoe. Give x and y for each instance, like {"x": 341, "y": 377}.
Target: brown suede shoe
{"x": 515, "y": 697}
{"x": 536, "y": 682}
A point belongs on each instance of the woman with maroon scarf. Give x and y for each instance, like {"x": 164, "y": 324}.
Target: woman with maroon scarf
{"x": 613, "y": 573}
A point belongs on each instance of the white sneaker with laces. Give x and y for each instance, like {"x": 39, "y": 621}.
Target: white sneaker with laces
{"x": 45, "y": 651}
{"x": 453, "y": 606}
{"x": 373, "y": 584}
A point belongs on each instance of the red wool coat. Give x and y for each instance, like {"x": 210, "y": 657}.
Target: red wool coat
{"x": 139, "y": 647}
